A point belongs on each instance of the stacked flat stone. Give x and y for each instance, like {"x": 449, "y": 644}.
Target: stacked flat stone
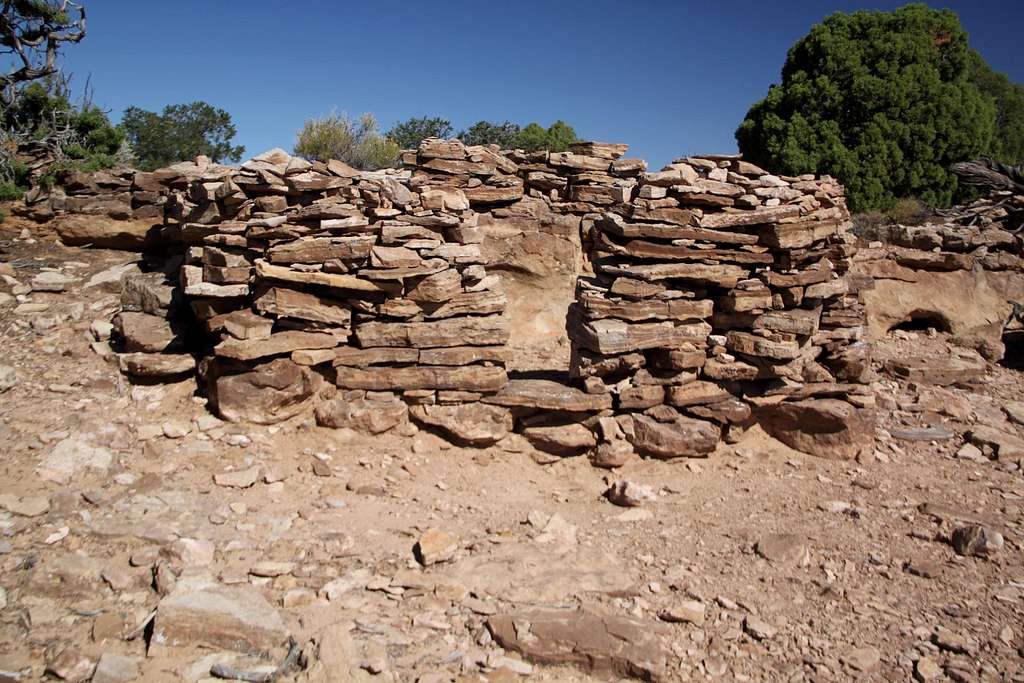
{"x": 124, "y": 194}
{"x": 988, "y": 241}
{"x": 152, "y": 325}
{"x": 581, "y": 183}
{"x": 717, "y": 286}
{"x": 303, "y": 272}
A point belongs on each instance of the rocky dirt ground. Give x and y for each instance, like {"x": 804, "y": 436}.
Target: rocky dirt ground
{"x": 143, "y": 539}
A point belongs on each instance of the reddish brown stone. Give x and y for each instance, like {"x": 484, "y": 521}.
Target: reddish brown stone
{"x": 265, "y": 394}
{"x": 682, "y": 437}
{"x": 545, "y": 394}
{"x": 603, "y": 644}
{"x": 474, "y": 424}
{"x": 468, "y": 378}
{"x": 828, "y": 427}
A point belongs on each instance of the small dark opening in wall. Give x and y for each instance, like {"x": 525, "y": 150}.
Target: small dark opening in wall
{"x": 1013, "y": 340}
{"x": 921, "y": 321}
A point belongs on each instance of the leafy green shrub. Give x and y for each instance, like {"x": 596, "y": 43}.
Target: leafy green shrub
{"x": 532, "y": 138}
{"x": 21, "y": 172}
{"x": 503, "y": 135}
{"x": 559, "y": 136}
{"x": 43, "y": 111}
{"x": 1008, "y": 97}
{"x": 9, "y": 191}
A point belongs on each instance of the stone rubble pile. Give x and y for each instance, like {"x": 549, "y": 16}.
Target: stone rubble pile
{"x": 121, "y": 194}
{"x": 366, "y": 296}
{"x": 719, "y": 285}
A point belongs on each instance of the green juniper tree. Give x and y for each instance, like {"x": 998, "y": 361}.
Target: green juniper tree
{"x": 410, "y": 133}
{"x": 882, "y": 100}
{"x": 181, "y": 132}
{"x": 503, "y": 135}
{"x": 531, "y": 138}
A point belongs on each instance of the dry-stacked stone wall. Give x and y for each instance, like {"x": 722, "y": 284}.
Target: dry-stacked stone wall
{"x": 720, "y": 295}
{"x": 972, "y": 256}
{"x": 720, "y": 291}
{"x": 116, "y": 208}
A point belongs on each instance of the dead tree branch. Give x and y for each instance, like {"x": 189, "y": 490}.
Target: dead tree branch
{"x": 33, "y": 32}
{"x": 988, "y": 174}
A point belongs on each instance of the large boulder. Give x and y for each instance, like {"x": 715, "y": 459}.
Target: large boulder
{"x": 265, "y": 393}
{"x": 826, "y": 427}
{"x": 110, "y": 233}
{"x": 373, "y": 414}
{"x": 677, "y": 437}
{"x": 473, "y": 424}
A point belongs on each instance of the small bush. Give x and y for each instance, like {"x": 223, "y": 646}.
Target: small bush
{"x": 3, "y": 215}
{"x": 87, "y": 139}
{"x": 21, "y": 172}
{"x": 870, "y": 226}
{"x": 356, "y": 142}
{"x": 98, "y": 162}
{"x": 10, "y": 192}
{"x": 910, "y": 211}
{"x": 531, "y": 138}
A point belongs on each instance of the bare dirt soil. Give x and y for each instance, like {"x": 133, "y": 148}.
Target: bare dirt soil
{"x": 757, "y": 563}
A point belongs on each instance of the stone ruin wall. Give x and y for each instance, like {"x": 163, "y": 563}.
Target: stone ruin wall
{"x": 716, "y": 294}
{"x": 958, "y": 276}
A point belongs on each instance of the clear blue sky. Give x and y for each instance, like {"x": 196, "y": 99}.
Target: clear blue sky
{"x": 666, "y": 77}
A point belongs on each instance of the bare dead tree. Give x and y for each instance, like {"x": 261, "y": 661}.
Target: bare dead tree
{"x": 33, "y": 31}
{"x": 991, "y": 175}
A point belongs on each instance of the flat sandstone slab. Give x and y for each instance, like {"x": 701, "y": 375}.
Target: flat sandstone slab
{"x": 474, "y": 331}
{"x": 155, "y": 364}
{"x": 467, "y": 378}
{"x": 610, "y": 336}
{"x": 595, "y": 307}
{"x": 276, "y": 344}
{"x": 351, "y": 283}
{"x": 724, "y": 275}
{"x": 602, "y": 643}
{"x": 545, "y": 394}
{"x": 218, "y": 617}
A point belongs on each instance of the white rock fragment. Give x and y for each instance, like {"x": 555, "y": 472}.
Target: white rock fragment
{"x": 71, "y": 458}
